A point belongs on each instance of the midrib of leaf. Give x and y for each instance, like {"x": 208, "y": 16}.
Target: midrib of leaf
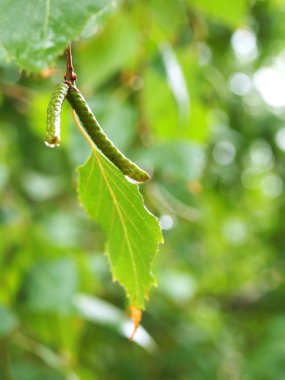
{"x": 125, "y": 215}
{"x": 127, "y": 200}
{"x": 121, "y": 218}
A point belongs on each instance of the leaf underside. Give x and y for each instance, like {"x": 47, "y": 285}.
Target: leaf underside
{"x": 132, "y": 232}
{"x": 35, "y": 32}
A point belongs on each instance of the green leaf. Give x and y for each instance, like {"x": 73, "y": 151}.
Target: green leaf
{"x": 9, "y": 321}
{"x": 35, "y": 32}
{"x": 133, "y": 233}
{"x": 50, "y": 286}
{"x": 119, "y": 43}
{"x": 26, "y": 370}
{"x": 176, "y": 160}
{"x": 162, "y": 110}
{"x": 164, "y": 22}
{"x": 232, "y": 14}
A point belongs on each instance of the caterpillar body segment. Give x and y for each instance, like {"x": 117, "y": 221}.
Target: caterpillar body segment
{"x": 94, "y": 130}
{"x": 52, "y": 137}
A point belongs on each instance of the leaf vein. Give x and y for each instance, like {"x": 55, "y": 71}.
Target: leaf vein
{"x": 119, "y": 211}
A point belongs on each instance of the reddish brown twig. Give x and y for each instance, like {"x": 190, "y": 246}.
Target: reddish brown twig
{"x": 70, "y": 75}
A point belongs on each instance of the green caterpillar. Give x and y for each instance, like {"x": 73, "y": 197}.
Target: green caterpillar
{"x": 52, "y": 137}
{"x": 93, "y": 129}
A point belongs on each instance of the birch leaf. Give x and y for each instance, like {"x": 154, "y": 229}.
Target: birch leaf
{"x": 35, "y": 32}
{"x": 132, "y": 232}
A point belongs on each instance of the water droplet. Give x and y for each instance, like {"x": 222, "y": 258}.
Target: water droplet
{"x": 52, "y": 144}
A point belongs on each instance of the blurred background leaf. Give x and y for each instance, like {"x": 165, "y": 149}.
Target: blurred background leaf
{"x": 194, "y": 92}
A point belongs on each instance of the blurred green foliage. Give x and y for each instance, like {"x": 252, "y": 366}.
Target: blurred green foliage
{"x": 195, "y": 93}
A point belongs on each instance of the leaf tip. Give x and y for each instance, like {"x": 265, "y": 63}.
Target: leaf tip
{"x": 136, "y": 315}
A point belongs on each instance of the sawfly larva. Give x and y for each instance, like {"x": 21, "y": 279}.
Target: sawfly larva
{"x": 96, "y": 133}
{"x": 52, "y": 137}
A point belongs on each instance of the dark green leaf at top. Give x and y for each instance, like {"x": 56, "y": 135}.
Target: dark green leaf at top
{"x": 35, "y": 32}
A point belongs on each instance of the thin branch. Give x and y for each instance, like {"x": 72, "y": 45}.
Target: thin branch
{"x": 70, "y": 75}
{"x": 85, "y": 135}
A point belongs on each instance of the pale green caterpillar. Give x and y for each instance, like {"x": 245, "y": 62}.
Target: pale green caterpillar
{"x": 93, "y": 129}
{"x": 52, "y": 137}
